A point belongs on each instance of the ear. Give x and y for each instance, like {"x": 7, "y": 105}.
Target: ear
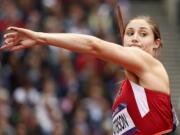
{"x": 157, "y": 43}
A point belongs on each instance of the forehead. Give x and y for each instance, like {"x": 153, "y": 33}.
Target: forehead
{"x": 138, "y": 24}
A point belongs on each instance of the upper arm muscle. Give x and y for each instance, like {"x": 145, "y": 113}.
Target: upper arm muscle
{"x": 132, "y": 59}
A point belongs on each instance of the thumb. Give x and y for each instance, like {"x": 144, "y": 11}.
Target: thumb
{"x": 21, "y": 30}
{"x": 12, "y": 28}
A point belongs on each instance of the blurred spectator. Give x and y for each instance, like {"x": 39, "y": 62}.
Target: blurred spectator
{"x": 80, "y": 122}
{"x": 27, "y": 122}
{"x": 76, "y": 20}
{"x": 54, "y": 91}
{"x": 47, "y": 109}
{"x": 93, "y": 104}
{"x": 21, "y": 129}
{"x": 11, "y": 71}
{"x": 34, "y": 20}
{"x": 5, "y": 127}
{"x": 59, "y": 127}
{"x": 26, "y": 93}
{"x": 10, "y": 15}
{"x": 100, "y": 20}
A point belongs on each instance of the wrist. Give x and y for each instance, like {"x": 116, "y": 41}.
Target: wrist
{"x": 41, "y": 38}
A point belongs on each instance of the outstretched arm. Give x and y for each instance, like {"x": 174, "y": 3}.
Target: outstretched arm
{"x": 133, "y": 59}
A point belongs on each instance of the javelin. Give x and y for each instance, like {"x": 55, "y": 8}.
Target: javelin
{"x": 119, "y": 18}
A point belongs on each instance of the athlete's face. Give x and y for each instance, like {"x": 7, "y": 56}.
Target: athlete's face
{"x": 139, "y": 34}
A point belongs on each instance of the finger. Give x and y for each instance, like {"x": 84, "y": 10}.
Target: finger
{"x": 13, "y": 28}
{"x": 9, "y": 40}
{"x": 20, "y": 30}
{"x": 11, "y": 35}
{"x": 6, "y": 46}
{"x": 19, "y": 47}
{"x": 2, "y": 48}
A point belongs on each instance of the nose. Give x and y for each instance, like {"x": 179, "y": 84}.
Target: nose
{"x": 135, "y": 38}
{"x": 134, "y": 41}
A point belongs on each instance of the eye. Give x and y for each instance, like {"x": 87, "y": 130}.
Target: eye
{"x": 143, "y": 34}
{"x": 129, "y": 33}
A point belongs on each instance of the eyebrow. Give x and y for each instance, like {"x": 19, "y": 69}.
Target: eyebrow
{"x": 140, "y": 28}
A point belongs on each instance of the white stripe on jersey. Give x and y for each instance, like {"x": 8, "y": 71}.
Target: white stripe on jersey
{"x": 141, "y": 99}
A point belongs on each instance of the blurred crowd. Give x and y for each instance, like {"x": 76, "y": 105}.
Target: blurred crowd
{"x": 51, "y": 91}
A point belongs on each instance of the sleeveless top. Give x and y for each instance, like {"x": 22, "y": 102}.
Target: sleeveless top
{"x": 140, "y": 111}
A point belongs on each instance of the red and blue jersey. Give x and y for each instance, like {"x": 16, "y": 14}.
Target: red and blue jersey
{"x": 140, "y": 111}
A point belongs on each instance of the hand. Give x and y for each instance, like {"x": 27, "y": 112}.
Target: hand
{"x": 19, "y": 38}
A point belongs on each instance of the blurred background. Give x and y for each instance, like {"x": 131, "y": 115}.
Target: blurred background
{"x": 50, "y": 91}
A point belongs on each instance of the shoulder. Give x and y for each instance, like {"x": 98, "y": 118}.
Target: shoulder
{"x": 156, "y": 78}
{"x": 147, "y": 62}
{"x": 152, "y": 75}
